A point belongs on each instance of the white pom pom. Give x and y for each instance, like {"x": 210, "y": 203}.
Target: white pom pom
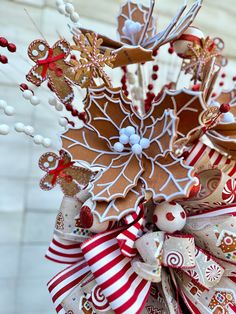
{"x": 214, "y": 104}
{"x": 129, "y": 130}
{"x": 134, "y": 139}
{"x": 52, "y": 101}
{"x": 228, "y": 117}
{"x": 9, "y": 110}
{"x": 47, "y": 142}
{"x": 145, "y": 143}
{"x": 118, "y": 147}
{"x": 124, "y": 139}
{"x": 29, "y": 130}
{"x": 61, "y": 9}
{"x": 19, "y": 127}
{"x": 38, "y": 139}
{"x": 27, "y": 94}
{"x": 59, "y": 107}
{"x": 63, "y": 122}
{"x": 4, "y": 129}
{"x": 35, "y": 101}
{"x": 131, "y": 27}
{"x": 122, "y": 131}
{"x": 74, "y": 17}
{"x": 137, "y": 149}
{"x": 69, "y": 8}
{"x": 3, "y": 104}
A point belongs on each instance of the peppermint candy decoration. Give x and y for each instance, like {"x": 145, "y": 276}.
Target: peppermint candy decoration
{"x": 213, "y": 273}
{"x": 229, "y": 191}
{"x": 174, "y": 259}
{"x": 99, "y": 300}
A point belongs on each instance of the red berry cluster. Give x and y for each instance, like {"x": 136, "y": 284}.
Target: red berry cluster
{"x": 124, "y": 81}
{"x": 5, "y": 44}
{"x": 150, "y": 95}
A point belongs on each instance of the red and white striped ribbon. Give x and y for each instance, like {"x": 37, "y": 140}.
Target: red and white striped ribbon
{"x": 216, "y": 159}
{"x": 64, "y": 282}
{"x": 126, "y": 291}
{"x": 63, "y": 251}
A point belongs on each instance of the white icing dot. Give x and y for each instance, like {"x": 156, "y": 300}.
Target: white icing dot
{"x": 134, "y": 139}
{"x": 19, "y": 127}
{"x": 38, "y": 139}
{"x": 137, "y": 149}
{"x": 118, "y": 147}
{"x": 129, "y": 130}
{"x": 124, "y": 139}
{"x": 27, "y": 94}
{"x": 41, "y": 47}
{"x": 4, "y": 129}
{"x": 145, "y": 143}
{"x": 9, "y": 110}
{"x": 50, "y": 158}
{"x": 35, "y": 53}
{"x": 46, "y": 164}
{"x": 228, "y": 117}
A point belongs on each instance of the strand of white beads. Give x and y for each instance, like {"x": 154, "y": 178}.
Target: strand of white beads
{"x": 68, "y": 10}
{"x": 128, "y": 136}
{"x": 29, "y": 130}
{"x": 55, "y": 103}
{"x": 28, "y": 95}
{"x": 8, "y": 111}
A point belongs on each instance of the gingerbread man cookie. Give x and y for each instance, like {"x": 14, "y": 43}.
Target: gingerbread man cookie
{"x": 51, "y": 65}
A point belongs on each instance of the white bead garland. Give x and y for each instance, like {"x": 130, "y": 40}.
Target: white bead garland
{"x": 68, "y": 10}
{"x": 19, "y": 127}
{"x": 4, "y": 129}
{"x": 63, "y": 122}
{"x": 28, "y": 95}
{"x": 9, "y": 110}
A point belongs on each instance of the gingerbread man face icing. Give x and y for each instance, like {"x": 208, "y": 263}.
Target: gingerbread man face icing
{"x": 51, "y": 65}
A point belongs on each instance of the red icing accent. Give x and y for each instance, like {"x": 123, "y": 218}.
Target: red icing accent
{"x": 86, "y": 217}
{"x": 170, "y": 216}
{"x": 183, "y": 215}
{"x": 59, "y": 170}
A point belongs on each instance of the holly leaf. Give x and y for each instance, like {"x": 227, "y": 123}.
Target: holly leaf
{"x": 168, "y": 178}
{"x": 118, "y": 179}
{"x": 187, "y": 105}
{"x": 119, "y": 207}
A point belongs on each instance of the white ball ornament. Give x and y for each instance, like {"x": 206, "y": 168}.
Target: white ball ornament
{"x": 124, "y": 139}
{"x": 134, "y": 139}
{"x": 59, "y": 107}
{"x": 118, "y": 147}
{"x": 3, "y": 104}
{"x": 74, "y": 17}
{"x": 69, "y": 8}
{"x": 19, "y": 127}
{"x": 136, "y": 149}
{"x": 52, "y": 101}
{"x": 144, "y": 143}
{"x": 4, "y": 129}
{"x": 228, "y": 117}
{"x": 129, "y": 130}
{"x": 29, "y": 130}
{"x": 38, "y": 139}
{"x": 190, "y": 36}
{"x": 214, "y": 103}
{"x": 34, "y": 101}
{"x": 169, "y": 217}
{"x": 27, "y": 94}
{"x": 9, "y": 110}
{"x": 61, "y": 9}
{"x": 63, "y": 122}
{"x": 46, "y": 142}
{"x": 122, "y": 131}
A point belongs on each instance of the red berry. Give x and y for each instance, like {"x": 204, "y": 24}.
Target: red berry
{"x": 224, "y": 108}
{"x": 74, "y": 112}
{"x": 11, "y": 47}
{"x": 213, "y": 95}
{"x": 3, "y": 59}
{"x": 171, "y": 50}
{"x": 86, "y": 217}
{"x": 154, "y": 53}
{"x": 69, "y": 107}
{"x": 126, "y": 93}
{"x": 124, "y": 68}
{"x": 221, "y": 83}
{"x": 124, "y": 79}
{"x": 234, "y": 78}
{"x": 3, "y": 42}
{"x": 23, "y": 87}
{"x": 154, "y": 76}
{"x": 82, "y": 116}
{"x": 150, "y": 86}
{"x": 155, "y": 68}
{"x": 223, "y": 75}
{"x": 196, "y": 87}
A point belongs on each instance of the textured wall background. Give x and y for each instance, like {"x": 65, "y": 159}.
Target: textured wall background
{"x": 26, "y": 213}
